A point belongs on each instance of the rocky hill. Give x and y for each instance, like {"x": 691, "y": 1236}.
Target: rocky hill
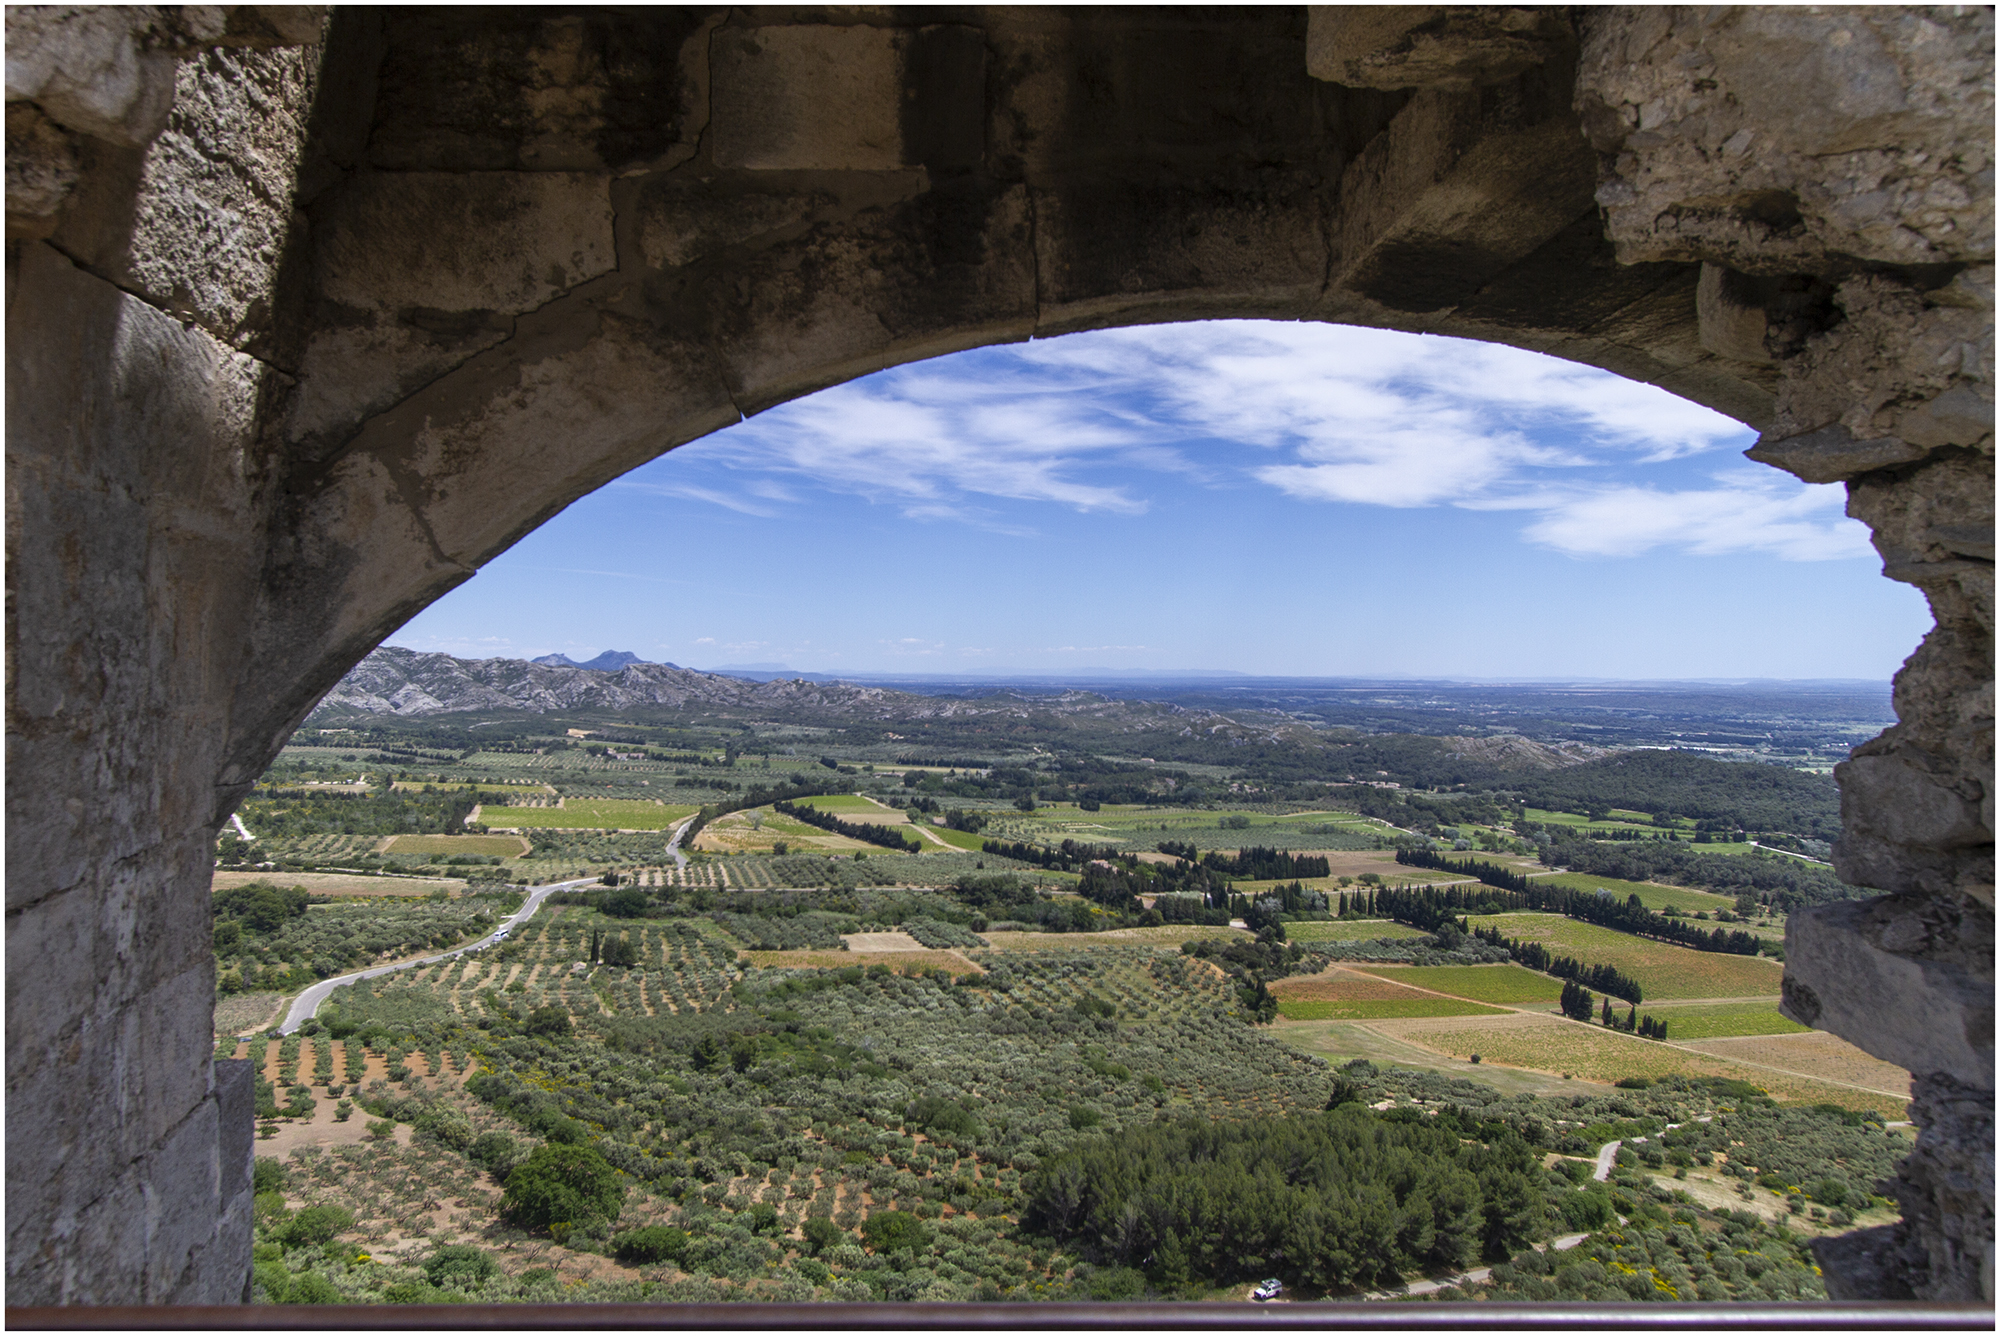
{"x": 412, "y": 685}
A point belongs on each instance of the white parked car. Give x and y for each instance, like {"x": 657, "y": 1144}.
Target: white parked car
{"x": 1267, "y": 1291}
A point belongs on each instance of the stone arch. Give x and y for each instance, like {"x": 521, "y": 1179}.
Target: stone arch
{"x": 310, "y": 316}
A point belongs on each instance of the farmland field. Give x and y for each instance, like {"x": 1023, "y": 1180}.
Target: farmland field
{"x": 343, "y": 884}
{"x": 1618, "y": 820}
{"x": 1725, "y": 1020}
{"x": 959, "y": 839}
{"x": 1340, "y": 985}
{"x": 1482, "y": 983}
{"x": 1121, "y": 937}
{"x": 902, "y": 961}
{"x": 1349, "y": 931}
{"x": 1654, "y": 897}
{"x": 1664, "y": 971}
{"x": 506, "y": 846}
{"x": 841, "y": 804}
{"x": 1596, "y": 1054}
{"x": 591, "y": 813}
{"x": 1813, "y": 1054}
{"x": 1409, "y": 1005}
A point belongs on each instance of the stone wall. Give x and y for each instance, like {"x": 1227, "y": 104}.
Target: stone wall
{"x": 1832, "y": 171}
{"x": 141, "y": 276}
{"x": 309, "y": 317}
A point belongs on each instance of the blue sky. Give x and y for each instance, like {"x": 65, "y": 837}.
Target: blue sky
{"x": 1272, "y": 498}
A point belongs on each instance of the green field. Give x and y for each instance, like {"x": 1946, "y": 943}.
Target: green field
{"x": 591, "y": 813}
{"x": 1726, "y": 1020}
{"x": 1652, "y": 896}
{"x": 1483, "y": 983}
{"x": 1415, "y": 1006}
{"x": 1619, "y": 820}
{"x": 1351, "y": 931}
{"x": 958, "y": 839}
{"x": 839, "y": 802}
{"x": 1664, "y": 971}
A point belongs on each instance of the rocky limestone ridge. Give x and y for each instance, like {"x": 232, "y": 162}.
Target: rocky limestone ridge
{"x": 410, "y": 684}
{"x": 1512, "y": 752}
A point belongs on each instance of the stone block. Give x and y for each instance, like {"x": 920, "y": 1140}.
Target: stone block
{"x": 183, "y": 1201}
{"x": 1430, "y": 46}
{"x": 236, "y": 1118}
{"x": 200, "y": 222}
{"x": 483, "y": 241}
{"x": 1461, "y": 186}
{"x": 1857, "y": 969}
{"x": 1777, "y": 138}
{"x": 807, "y": 97}
{"x": 42, "y": 168}
{"x": 351, "y": 372}
{"x": 679, "y": 226}
{"x": 1866, "y": 1263}
{"x": 1732, "y": 323}
{"x": 1831, "y": 454}
{"x": 527, "y": 89}
{"x": 1113, "y": 252}
{"x": 947, "y": 269}
{"x": 97, "y": 69}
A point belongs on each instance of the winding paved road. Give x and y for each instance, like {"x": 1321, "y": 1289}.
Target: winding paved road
{"x": 307, "y": 1004}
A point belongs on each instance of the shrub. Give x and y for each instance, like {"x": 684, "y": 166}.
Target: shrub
{"x": 459, "y": 1264}
{"x": 550, "y": 1022}
{"x": 267, "y": 1175}
{"x": 493, "y": 1152}
{"x": 315, "y": 1225}
{"x": 821, "y": 1234}
{"x": 891, "y": 1231}
{"x": 654, "y": 1243}
{"x": 560, "y": 1184}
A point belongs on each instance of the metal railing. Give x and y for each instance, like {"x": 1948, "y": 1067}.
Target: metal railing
{"x": 1479, "y": 1316}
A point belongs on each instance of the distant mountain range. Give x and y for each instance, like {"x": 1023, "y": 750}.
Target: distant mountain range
{"x": 413, "y": 685}
{"x": 608, "y": 662}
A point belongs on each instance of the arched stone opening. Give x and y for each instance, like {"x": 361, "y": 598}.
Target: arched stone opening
{"x": 310, "y": 317}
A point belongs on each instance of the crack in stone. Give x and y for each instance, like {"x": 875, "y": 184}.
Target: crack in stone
{"x": 184, "y": 321}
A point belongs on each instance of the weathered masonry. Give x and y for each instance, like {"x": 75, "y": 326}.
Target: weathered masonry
{"x": 310, "y": 313}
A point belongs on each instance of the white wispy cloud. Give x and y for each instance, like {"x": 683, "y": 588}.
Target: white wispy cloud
{"x": 1797, "y": 523}
{"x": 1323, "y": 413}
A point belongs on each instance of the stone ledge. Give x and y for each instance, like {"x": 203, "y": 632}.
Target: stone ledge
{"x": 1831, "y": 454}
{"x": 1842, "y": 976}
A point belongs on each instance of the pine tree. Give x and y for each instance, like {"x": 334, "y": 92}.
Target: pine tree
{"x": 1632, "y": 1020}
{"x": 1609, "y": 1018}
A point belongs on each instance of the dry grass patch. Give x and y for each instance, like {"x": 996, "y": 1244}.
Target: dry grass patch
{"x": 1410, "y": 1004}
{"x": 881, "y": 941}
{"x": 1163, "y": 937}
{"x": 1551, "y": 1044}
{"x": 506, "y": 846}
{"x": 247, "y": 1013}
{"x": 1814, "y": 1054}
{"x": 343, "y": 884}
